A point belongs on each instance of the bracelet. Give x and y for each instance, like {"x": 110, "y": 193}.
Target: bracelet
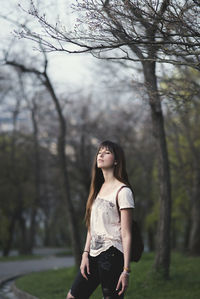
{"x": 86, "y": 251}
{"x": 127, "y": 270}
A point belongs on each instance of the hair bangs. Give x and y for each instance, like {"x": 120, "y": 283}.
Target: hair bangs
{"x": 108, "y": 145}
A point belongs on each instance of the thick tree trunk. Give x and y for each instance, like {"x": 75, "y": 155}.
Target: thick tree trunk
{"x": 174, "y": 235}
{"x": 74, "y": 232}
{"x": 32, "y": 231}
{"x": 75, "y": 238}
{"x": 177, "y": 149}
{"x": 162, "y": 259}
{"x": 150, "y": 239}
{"x": 7, "y": 245}
{"x": 187, "y": 234}
{"x": 23, "y": 246}
{"x": 194, "y": 240}
{"x": 37, "y": 180}
{"x": 46, "y": 234}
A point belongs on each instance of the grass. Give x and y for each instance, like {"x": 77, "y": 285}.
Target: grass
{"x": 184, "y": 282}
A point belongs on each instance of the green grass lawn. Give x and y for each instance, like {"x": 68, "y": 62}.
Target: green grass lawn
{"x": 184, "y": 281}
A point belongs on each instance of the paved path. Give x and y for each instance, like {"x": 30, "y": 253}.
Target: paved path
{"x": 40, "y": 251}
{"x": 14, "y": 268}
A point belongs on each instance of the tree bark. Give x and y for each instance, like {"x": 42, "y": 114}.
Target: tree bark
{"x": 194, "y": 240}
{"x": 150, "y": 239}
{"x": 162, "y": 259}
{"x": 23, "y": 246}
{"x": 187, "y": 234}
{"x": 173, "y": 235}
{"x": 36, "y": 163}
{"x": 7, "y": 245}
{"x": 75, "y": 238}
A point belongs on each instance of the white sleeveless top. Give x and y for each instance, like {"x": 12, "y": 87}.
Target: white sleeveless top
{"x": 105, "y": 226}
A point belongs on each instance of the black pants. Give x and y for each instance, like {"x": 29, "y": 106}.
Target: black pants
{"x": 105, "y": 269}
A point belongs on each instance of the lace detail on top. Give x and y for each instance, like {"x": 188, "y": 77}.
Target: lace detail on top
{"x": 105, "y": 226}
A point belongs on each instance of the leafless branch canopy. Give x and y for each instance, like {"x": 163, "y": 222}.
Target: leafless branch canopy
{"x": 163, "y": 31}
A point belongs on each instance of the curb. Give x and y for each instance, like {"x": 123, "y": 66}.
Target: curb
{"x": 21, "y": 294}
{"x": 18, "y": 293}
{"x": 7, "y": 279}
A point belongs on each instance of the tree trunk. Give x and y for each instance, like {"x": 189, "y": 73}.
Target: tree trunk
{"x": 23, "y": 246}
{"x": 194, "y": 240}
{"x": 73, "y": 227}
{"x": 36, "y": 163}
{"x": 66, "y": 187}
{"x": 7, "y": 245}
{"x": 162, "y": 259}
{"x": 174, "y": 235}
{"x": 187, "y": 234}
{"x": 150, "y": 238}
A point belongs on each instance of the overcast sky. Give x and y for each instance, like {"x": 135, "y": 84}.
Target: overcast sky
{"x": 65, "y": 69}
{"x": 70, "y": 73}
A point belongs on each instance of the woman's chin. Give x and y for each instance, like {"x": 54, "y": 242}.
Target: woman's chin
{"x": 105, "y": 167}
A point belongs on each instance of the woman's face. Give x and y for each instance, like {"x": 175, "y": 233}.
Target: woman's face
{"x": 105, "y": 158}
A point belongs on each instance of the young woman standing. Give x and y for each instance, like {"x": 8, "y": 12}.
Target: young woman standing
{"x": 106, "y": 256}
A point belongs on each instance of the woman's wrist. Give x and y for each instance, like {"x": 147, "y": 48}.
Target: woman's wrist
{"x": 85, "y": 252}
{"x": 127, "y": 269}
{"x": 125, "y": 273}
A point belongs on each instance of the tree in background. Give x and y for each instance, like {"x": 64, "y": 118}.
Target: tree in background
{"x": 183, "y": 91}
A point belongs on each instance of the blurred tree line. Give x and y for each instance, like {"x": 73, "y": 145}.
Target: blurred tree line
{"x": 33, "y": 209}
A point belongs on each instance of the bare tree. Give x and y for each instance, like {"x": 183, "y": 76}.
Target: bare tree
{"x": 176, "y": 30}
{"x": 63, "y": 163}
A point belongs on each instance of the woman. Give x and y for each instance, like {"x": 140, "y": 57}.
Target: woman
{"x": 106, "y": 256}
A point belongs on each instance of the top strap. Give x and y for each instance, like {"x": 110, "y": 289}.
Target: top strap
{"x": 117, "y": 197}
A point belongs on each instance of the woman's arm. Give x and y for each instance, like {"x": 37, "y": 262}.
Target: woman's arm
{"x": 126, "y": 224}
{"x": 85, "y": 261}
{"x": 126, "y": 221}
{"x": 87, "y": 243}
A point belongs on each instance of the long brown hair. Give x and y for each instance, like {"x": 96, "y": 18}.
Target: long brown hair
{"x": 97, "y": 176}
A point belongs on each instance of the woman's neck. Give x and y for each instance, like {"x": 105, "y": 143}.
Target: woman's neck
{"x": 108, "y": 177}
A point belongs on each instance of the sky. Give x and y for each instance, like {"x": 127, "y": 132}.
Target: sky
{"x": 64, "y": 69}
{"x": 68, "y": 72}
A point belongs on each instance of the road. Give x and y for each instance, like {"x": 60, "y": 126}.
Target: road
{"x": 15, "y": 268}
{"x": 48, "y": 261}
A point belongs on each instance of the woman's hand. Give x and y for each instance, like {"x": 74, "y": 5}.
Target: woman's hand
{"x": 123, "y": 282}
{"x": 85, "y": 265}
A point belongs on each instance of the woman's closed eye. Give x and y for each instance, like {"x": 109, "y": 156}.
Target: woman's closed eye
{"x": 104, "y": 153}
